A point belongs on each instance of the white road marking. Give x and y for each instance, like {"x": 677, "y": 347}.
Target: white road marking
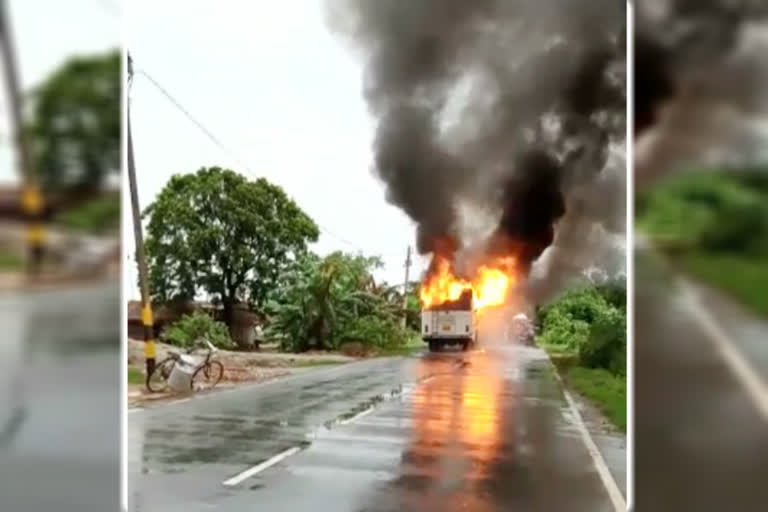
{"x": 617, "y": 499}
{"x": 248, "y": 473}
{"x": 756, "y": 388}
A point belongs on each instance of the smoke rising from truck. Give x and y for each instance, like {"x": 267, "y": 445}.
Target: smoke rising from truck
{"x": 508, "y": 106}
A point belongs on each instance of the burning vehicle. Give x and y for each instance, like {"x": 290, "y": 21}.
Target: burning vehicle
{"x": 492, "y": 135}
{"x": 452, "y": 305}
{"x": 450, "y": 322}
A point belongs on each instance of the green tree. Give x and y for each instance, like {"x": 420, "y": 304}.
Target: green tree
{"x": 332, "y": 300}
{"x": 74, "y": 127}
{"x": 215, "y": 232}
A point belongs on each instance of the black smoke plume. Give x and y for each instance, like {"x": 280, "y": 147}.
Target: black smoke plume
{"x": 510, "y": 105}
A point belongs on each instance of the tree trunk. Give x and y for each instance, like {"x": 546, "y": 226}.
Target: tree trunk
{"x": 229, "y": 314}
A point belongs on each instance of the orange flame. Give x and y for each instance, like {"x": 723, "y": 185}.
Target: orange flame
{"x": 489, "y": 286}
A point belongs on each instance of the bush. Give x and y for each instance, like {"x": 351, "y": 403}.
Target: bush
{"x": 713, "y": 211}
{"x": 190, "y": 330}
{"x": 589, "y": 323}
{"x": 374, "y": 331}
{"x": 606, "y": 346}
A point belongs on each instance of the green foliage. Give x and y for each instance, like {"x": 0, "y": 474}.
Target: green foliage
{"x": 98, "y": 215}
{"x": 606, "y": 346}
{"x": 325, "y": 302}
{"x": 615, "y": 292}
{"x": 717, "y": 222}
{"x": 216, "y": 232}
{"x": 10, "y": 260}
{"x": 714, "y": 212}
{"x": 589, "y": 322}
{"x": 190, "y": 331}
{"x": 75, "y": 123}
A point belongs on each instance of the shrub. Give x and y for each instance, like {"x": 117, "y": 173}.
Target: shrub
{"x": 606, "y": 346}
{"x": 190, "y": 330}
{"x": 376, "y": 331}
{"x": 589, "y": 323}
{"x": 95, "y": 216}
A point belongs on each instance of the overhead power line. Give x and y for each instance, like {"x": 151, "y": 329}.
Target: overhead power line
{"x": 213, "y": 138}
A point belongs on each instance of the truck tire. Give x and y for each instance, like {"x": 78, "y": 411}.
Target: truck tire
{"x": 465, "y": 345}
{"x": 433, "y": 346}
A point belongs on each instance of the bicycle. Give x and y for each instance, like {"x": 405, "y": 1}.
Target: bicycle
{"x": 206, "y": 375}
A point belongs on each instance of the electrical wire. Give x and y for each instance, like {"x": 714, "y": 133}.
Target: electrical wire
{"x": 222, "y": 146}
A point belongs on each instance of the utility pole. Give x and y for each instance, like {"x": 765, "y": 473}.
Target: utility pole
{"x": 141, "y": 261}
{"x": 31, "y": 196}
{"x": 405, "y": 286}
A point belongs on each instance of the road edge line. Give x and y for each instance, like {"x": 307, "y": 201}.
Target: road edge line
{"x": 745, "y": 374}
{"x": 614, "y": 493}
{"x": 248, "y": 473}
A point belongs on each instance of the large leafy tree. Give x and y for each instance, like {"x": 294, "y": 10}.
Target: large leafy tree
{"x": 74, "y": 124}
{"x": 215, "y": 232}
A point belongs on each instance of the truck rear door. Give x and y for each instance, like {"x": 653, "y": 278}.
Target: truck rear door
{"x": 446, "y": 323}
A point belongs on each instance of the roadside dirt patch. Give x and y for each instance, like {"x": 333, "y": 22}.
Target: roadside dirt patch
{"x": 232, "y": 359}
{"x": 239, "y": 368}
{"x": 233, "y": 377}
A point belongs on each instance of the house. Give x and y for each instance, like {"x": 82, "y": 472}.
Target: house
{"x": 162, "y": 317}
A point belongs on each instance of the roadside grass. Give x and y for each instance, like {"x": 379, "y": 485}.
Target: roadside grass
{"x": 135, "y": 376}
{"x": 713, "y": 226}
{"x": 413, "y": 345}
{"x": 744, "y": 279}
{"x": 607, "y": 391}
{"x": 10, "y": 261}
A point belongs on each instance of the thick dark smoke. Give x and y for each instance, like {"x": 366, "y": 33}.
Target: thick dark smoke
{"x": 510, "y": 105}
{"x": 700, "y": 81}
{"x": 533, "y": 203}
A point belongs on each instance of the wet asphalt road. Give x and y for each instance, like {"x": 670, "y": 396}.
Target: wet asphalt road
{"x": 62, "y": 451}
{"x": 700, "y": 440}
{"x": 487, "y": 430}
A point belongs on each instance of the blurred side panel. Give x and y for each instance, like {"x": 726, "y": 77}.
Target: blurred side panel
{"x": 60, "y": 140}
{"x": 701, "y": 255}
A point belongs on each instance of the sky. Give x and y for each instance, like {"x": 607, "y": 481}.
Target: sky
{"x": 282, "y": 94}
{"x": 46, "y": 33}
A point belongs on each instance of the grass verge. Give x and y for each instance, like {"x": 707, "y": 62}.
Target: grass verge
{"x": 413, "y": 345}
{"x": 135, "y": 376}
{"x": 607, "y": 391}
{"x": 10, "y": 261}
{"x": 744, "y": 279}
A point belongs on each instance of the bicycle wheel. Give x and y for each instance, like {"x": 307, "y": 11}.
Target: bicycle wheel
{"x": 207, "y": 376}
{"x": 157, "y": 381}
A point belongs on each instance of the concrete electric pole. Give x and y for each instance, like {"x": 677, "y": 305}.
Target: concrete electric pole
{"x": 141, "y": 261}
{"x": 31, "y": 195}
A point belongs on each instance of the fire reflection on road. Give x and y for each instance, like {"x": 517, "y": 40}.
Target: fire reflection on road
{"x": 456, "y": 433}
